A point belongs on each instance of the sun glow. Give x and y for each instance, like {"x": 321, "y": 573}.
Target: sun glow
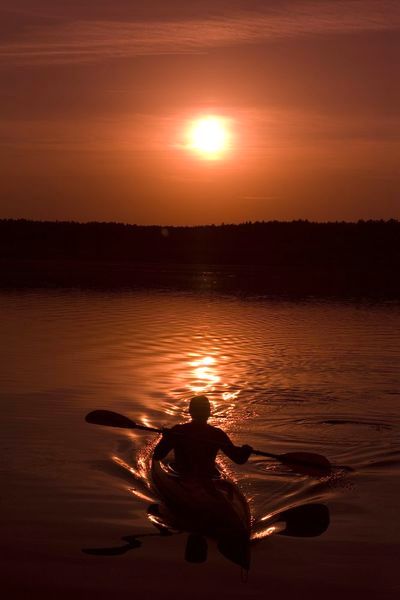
{"x": 209, "y": 136}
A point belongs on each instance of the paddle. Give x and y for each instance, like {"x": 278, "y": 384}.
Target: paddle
{"x": 306, "y": 463}
{"x": 108, "y": 418}
{"x": 308, "y": 520}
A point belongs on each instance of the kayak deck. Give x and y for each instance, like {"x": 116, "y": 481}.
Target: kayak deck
{"x": 213, "y": 507}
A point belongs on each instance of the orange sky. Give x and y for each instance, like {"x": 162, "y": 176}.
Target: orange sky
{"x": 95, "y": 101}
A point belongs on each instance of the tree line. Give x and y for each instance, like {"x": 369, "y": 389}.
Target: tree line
{"x": 363, "y": 244}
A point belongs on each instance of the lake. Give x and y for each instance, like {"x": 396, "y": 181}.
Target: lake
{"x": 282, "y": 376}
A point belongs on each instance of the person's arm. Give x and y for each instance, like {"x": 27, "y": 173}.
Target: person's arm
{"x": 239, "y": 454}
{"x": 164, "y": 446}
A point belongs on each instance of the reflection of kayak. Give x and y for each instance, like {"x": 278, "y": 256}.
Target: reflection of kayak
{"x": 214, "y": 508}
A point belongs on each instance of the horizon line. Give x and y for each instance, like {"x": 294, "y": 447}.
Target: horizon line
{"x": 197, "y": 226}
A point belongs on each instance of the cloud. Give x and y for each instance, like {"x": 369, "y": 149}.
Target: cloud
{"x": 84, "y": 41}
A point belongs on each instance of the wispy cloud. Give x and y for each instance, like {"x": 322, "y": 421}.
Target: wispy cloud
{"x": 88, "y": 41}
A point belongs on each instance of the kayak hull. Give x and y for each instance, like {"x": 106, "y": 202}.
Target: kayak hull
{"x": 215, "y": 508}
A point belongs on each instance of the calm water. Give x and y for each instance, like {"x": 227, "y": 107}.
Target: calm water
{"x": 319, "y": 377}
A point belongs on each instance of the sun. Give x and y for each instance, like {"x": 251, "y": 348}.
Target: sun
{"x": 209, "y": 136}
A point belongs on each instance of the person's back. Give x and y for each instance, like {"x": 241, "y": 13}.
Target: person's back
{"x": 197, "y": 443}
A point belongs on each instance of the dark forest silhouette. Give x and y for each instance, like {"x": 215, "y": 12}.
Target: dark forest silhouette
{"x": 285, "y": 258}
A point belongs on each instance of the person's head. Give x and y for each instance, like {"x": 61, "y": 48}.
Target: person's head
{"x": 199, "y": 408}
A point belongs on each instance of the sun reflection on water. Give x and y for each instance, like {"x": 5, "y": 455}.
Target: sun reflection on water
{"x": 205, "y": 374}
{"x": 206, "y": 371}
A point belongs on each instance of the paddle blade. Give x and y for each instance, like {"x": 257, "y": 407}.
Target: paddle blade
{"x": 309, "y": 520}
{"x": 307, "y": 463}
{"x": 109, "y": 419}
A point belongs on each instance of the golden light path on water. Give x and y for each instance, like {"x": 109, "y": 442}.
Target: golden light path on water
{"x": 203, "y": 373}
{"x": 206, "y": 376}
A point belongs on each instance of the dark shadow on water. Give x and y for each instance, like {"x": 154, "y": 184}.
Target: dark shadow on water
{"x": 133, "y": 542}
{"x": 307, "y": 520}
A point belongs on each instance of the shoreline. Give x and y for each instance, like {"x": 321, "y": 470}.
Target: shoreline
{"x": 289, "y": 282}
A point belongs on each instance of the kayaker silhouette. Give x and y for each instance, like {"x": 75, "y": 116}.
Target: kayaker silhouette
{"x": 196, "y": 444}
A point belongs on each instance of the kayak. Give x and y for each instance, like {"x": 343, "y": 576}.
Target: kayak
{"x": 213, "y": 508}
